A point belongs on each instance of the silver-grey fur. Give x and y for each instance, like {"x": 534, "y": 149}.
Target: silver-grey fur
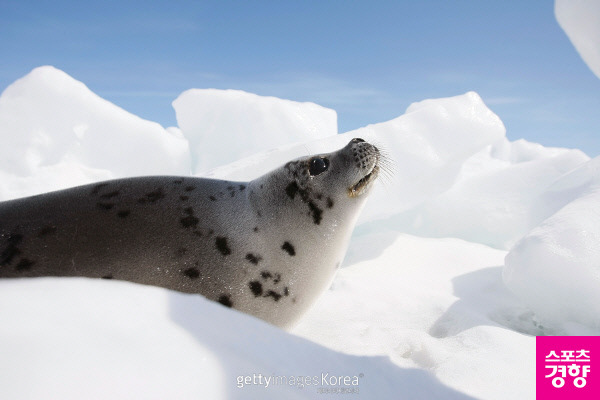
{"x": 268, "y": 247}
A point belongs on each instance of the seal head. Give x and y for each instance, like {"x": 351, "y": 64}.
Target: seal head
{"x": 312, "y": 205}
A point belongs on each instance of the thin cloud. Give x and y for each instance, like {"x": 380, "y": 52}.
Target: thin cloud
{"x": 322, "y": 90}
{"x": 139, "y": 93}
{"x": 495, "y": 101}
{"x": 103, "y": 27}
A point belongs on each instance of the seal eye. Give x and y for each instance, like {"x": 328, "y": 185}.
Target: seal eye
{"x": 318, "y": 165}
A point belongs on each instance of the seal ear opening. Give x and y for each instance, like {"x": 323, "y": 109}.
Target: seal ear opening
{"x": 318, "y": 165}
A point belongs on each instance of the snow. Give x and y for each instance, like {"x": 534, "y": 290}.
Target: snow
{"x": 79, "y": 338}
{"x": 496, "y": 198}
{"x": 469, "y": 247}
{"x": 245, "y": 123}
{"x": 62, "y": 134}
{"x": 580, "y": 19}
{"x": 560, "y": 259}
{"x": 441, "y": 306}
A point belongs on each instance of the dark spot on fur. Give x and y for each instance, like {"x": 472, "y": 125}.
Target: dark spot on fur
{"x": 105, "y": 206}
{"x": 329, "y": 202}
{"x": 189, "y": 188}
{"x": 292, "y": 189}
{"x": 212, "y": 198}
{"x": 198, "y": 233}
{"x": 287, "y": 246}
{"x": 47, "y": 230}
{"x": 221, "y": 243}
{"x": 210, "y": 232}
{"x": 107, "y": 277}
{"x": 277, "y": 279}
{"x": 155, "y": 195}
{"x": 15, "y": 238}
{"x": 261, "y": 186}
{"x": 252, "y": 258}
{"x": 256, "y": 229}
{"x": 316, "y": 212}
{"x": 276, "y": 296}
{"x": 110, "y": 195}
{"x": 225, "y": 300}
{"x": 24, "y": 265}
{"x": 266, "y": 275}
{"x": 258, "y": 214}
{"x": 183, "y": 198}
{"x": 304, "y": 194}
{"x": 96, "y": 189}
{"x": 319, "y": 196}
{"x": 189, "y": 220}
{"x": 256, "y": 288}
{"x": 232, "y": 194}
{"x": 178, "y": 181}
{"x": 11, "y": 250}
{"x": 192, "y": 273}
{"x": 286, "y": 291}
{"x": 242, "y": 188}
{"x": 124, "y": 213}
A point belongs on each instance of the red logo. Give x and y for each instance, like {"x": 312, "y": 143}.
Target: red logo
{"x": 564, "y": 367}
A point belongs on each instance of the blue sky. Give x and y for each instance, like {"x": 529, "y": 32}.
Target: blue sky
{"x": 368, "y": 60}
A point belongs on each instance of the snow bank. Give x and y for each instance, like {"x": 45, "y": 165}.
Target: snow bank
{"x": 226, "y": 125}
{"x": 437, "y": 304}
{"x": 555, "y": 269}
{"x": 77, "y": 338}
{"x": 497, "y": 197}
{"x": 580, "y": 19}
{"x": 57, "y": 133}
{"x": 428, "y": 145}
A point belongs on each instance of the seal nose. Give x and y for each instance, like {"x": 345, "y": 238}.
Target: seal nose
{"x": 357, "y": 140}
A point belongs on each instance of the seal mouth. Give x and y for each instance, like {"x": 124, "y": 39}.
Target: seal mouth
{"x": 364, "y": 183}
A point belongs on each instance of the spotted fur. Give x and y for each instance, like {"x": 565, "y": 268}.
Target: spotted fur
{"x": 265, "y": 247}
